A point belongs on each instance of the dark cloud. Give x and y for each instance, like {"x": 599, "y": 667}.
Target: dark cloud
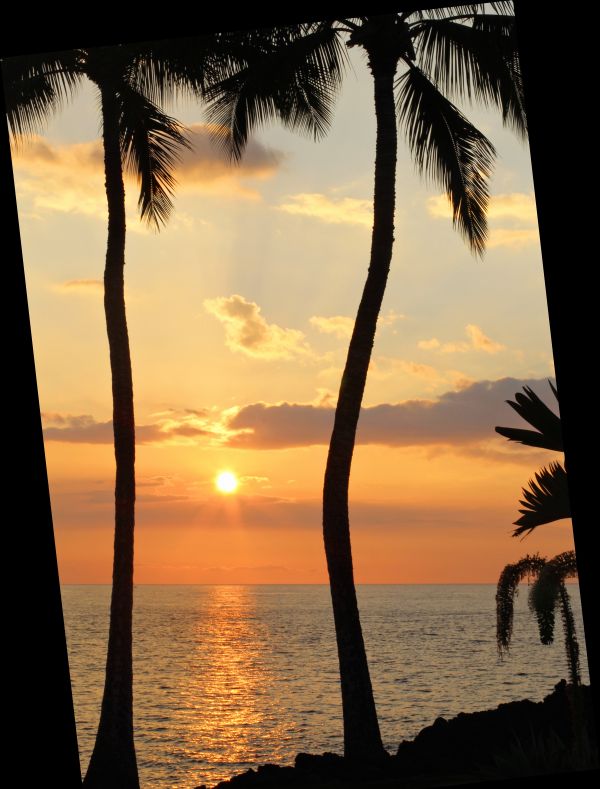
{"x": 208, "y": 160}
{"x": 85, "y": 429}
{"x": 458, "y": 417}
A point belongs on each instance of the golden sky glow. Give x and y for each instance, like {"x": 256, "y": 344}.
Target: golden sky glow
{"x": 240, "y": 313}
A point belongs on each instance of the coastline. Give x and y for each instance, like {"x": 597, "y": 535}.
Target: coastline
{"x": 519, "y": 739}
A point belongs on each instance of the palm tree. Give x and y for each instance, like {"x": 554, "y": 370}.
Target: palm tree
{"x": 460, "y": 52}
{"x": 548, "y": 592}
{"x": 547, "y": 499}
{"x": 137, "y": 136}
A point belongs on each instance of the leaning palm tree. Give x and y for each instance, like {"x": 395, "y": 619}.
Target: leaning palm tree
{"x": 547, "y": 499}
{"x": 137, "y": 136}
{"x": 463, "y": 53}
{"x": 546, "y": 594}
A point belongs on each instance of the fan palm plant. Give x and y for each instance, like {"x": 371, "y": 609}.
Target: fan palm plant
{"x": 547, "y": 499}
{"x": 548, "y": 592}
{"x": 139, "y": 137}
{"x": 462, "y": 53}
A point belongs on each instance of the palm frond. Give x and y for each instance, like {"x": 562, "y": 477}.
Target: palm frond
{"x": 151, "y": 143}
{"x": 546, "y": 591}
{"x": 166, "y": 70}
{"x": 475, "y": 62}
{"x": 441, "y": 13}
{"x": 294, "y": 77}
{"x": 449, "y": 149}
{"x": 509, "y": 580}
{"x": 35, "y": 87}
{"x": 548, "y": 433}
{"x": 546, "y": 500}
{"x": 571, "y": 643}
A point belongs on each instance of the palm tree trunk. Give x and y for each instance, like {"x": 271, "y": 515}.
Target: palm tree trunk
{"x": 113, "y": 763}
{"x": 362, "y": 739}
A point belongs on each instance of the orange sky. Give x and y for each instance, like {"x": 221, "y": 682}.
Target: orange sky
{"x": 239, "y": 315}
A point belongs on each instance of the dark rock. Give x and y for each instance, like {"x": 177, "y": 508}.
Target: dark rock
{"x": 475, "y": 738}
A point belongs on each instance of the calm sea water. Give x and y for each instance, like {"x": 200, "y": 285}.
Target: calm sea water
{"x": 230, "y": 677}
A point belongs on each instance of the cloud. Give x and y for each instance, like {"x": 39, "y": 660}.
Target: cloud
{"x": 455, "y": 418}
{"x": 478, "y": 342}
{"x": 383, "y": 368}
{"x": 517, "y": 208}
{"x": 429, "y": 344}
{"x": 207, "y": 167}
{"x": 70, "y": 178}
{"x": 339, "y": 325}
{"x": 505, "y": 237}
{"x": 170, "y": 427}
{"x": 346, "y": 210}
{"x": 342, "y": 325}
{"x": 247, "y": 331}
{"x": 81, "y": 286}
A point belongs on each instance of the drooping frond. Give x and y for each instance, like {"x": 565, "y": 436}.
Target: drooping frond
{"x": 35, "y": 87}
{"x": 294, "y": 76}
{"x": 475, "y": 62}
{"x": 545, "y": 592}
{"x": 546, "y": 500}
{"x": 509, "y": 580}
{"x": 449, "y": 149}
{"x": 571, "y": 643}
{"x": 549, "y": 590}
{"x": 151, "y": 144}
{"x": 547, "y": 434}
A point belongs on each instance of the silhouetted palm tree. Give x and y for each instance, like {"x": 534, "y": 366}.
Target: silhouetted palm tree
{"x": 459, "y": 52}
{"x": 547, "y": 499}
{"x": 548, "y": 592}
{"x": 138, "y": 136}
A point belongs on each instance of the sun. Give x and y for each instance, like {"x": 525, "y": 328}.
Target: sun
{"x": 226, "y": 482}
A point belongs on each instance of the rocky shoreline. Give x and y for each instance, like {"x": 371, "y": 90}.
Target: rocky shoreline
{"x": 518, "y": 738}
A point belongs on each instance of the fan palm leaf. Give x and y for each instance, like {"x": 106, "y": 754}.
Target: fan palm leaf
{"x": 546, "y": 500}
{"x": 547, "y": 433}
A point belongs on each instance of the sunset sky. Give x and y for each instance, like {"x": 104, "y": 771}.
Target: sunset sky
{"x": 239, "y": 315}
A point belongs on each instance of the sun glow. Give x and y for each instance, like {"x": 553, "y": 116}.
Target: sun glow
{"x": 226, "y": 482}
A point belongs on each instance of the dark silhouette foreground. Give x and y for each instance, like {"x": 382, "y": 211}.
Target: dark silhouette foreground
{"x": 469, "y": 747}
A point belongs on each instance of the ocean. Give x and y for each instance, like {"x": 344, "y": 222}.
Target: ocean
{"x": 230, "y": 677}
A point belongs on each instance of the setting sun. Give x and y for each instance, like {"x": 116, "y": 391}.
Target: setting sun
{"x": 226, "y": 482}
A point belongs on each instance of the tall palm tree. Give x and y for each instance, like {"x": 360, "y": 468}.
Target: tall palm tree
{"x": 132, "y": 81}
{"x": 547, "y": 499}
{"x": 461, "y": 52}
{"x": 137, "y": 136}
{"x": 548, "y": 592}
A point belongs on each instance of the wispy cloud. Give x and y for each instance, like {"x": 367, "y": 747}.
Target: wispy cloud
{"x": 94, "y": 286}
{"x": 478, "y": 341}
{"x": 247, "y": 331}
{"x": 342, "y": 326}
{"x": 345, "y": 210}
{"x": 339, "y": 325}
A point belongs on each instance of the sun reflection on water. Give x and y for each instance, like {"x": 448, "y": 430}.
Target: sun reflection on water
{"x": 226, "y": 703}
